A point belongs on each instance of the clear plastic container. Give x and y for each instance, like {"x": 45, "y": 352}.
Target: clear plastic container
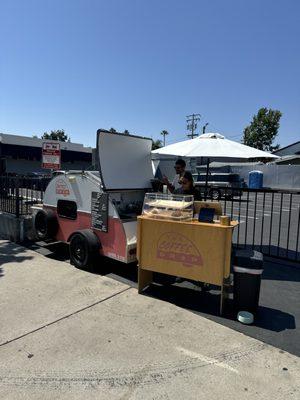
{"x": 169, "y": 206}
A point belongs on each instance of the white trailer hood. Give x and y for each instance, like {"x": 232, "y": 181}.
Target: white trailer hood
{"x": 124, "y": 161}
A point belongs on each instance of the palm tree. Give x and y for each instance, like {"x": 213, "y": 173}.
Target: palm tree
{"x": 164, "y": 134}
{"x": 156, "y": 144}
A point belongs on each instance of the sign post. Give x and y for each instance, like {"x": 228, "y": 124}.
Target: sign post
{"x": 51, "y": 155}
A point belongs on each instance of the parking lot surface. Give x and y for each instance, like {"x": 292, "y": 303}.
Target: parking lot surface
{"x": 70, "y": 334}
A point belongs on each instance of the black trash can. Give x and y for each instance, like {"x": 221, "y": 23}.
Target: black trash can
{"x": 248, "y": 268}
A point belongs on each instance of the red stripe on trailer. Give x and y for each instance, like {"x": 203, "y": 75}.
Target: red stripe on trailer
{"x": 113, "y": 242}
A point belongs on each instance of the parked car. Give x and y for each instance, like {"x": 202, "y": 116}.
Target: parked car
{"x": 220, "y": 184}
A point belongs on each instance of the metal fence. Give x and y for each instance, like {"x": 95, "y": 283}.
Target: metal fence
{"x": 18, "y": 194}
{"x": 269, "y": 220}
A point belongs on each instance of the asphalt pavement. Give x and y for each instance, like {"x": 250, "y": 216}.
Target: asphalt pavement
{"x": 278, "y": 318}
{"x": 71, "y": 334}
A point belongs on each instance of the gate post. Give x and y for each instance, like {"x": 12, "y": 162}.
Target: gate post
{"x": 17, "y": 188}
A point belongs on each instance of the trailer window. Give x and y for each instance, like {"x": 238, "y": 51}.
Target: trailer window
{"x": 67, "y": 209}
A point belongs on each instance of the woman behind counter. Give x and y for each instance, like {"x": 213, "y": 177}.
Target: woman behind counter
{"x": 187, "y": 186}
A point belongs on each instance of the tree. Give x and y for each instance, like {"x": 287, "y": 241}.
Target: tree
{"x": 59, "y": 134}
{"x": 126, "y": 132}
{"x": 35, "y": 136}
{"x": 112, "y": 130}
{"x": 164, "y": 134}
{"x": 156, "y": 144}
{"x": 263, "y": 129}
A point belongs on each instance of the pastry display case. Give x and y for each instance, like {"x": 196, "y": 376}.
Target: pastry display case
{"x": 173, "y": 207}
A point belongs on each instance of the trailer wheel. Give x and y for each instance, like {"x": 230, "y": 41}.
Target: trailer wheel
{"x": 45, "y": 224}
{"x": 215, "y": 194}
{"x": 84, "y": 249}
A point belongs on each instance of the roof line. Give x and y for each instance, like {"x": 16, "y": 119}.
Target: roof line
{"x": 285, "y": 147}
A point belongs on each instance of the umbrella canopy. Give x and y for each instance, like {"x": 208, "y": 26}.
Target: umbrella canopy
{"x": 212, "y": 145}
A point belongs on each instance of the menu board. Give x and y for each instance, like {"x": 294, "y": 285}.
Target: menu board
{"x": 99, "y": 208}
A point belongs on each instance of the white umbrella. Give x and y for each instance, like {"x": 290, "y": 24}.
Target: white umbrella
{"x": 212, "y": 145}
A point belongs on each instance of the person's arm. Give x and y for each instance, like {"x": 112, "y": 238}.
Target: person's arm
{"x": 166, "y": 181}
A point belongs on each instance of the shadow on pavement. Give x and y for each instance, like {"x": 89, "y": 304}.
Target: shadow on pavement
{"x": 121, "y": 272}
{"x": 276, "y": 251}
{"x": 281, "y": 272}
{"x": 208, "y": 303}
{"x": 280, "y": 253}
{"x": 274, "y": 320}
{"x": 9, "y": 253}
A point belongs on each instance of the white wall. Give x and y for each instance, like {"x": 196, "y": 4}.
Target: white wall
{"x": 275, "y": 176}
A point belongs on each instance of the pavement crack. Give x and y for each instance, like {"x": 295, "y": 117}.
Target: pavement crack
{"x": 64, "y": 317}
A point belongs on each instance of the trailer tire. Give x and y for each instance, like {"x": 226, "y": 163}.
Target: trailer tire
{"x": 84, "y": 249}
{"x": 45, "y": 224}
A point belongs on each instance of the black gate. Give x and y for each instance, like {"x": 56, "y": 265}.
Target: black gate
{"x": 269, "y": 220}
{"x": 18, "y": 194}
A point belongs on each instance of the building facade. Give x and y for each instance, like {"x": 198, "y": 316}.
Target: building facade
{"x": 23, "y": 155}
{"x": 290, "y": 155}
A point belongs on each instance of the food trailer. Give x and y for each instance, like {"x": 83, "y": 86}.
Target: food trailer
{"x": 96, "y": 211}
{"x": 112, "y": 212}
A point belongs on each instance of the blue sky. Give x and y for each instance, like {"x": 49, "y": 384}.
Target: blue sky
{"x": 143, "y": 65}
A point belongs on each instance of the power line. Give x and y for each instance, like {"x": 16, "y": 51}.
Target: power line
{"x": 214, "y": 128}
{"x": 235, "y": 136}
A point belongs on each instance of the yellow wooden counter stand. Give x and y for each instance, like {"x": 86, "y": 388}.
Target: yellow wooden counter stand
{"x": 192, "y": 250}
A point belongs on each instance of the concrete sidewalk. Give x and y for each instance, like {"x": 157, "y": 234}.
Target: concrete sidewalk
{"x": 69, "y": 334}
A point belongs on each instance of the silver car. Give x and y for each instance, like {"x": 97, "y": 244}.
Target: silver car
{"x": 220, "y": 184}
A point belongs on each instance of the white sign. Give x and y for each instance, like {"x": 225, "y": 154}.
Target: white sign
{"x": 51, "y": 155}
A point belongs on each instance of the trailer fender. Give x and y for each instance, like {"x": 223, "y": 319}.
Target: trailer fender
{"x": 45, "y": 224}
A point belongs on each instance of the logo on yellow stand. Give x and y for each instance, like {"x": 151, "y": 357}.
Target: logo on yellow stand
{"x": 176, "y": 247}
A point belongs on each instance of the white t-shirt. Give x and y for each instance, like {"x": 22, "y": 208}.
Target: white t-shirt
{"x": 175, "y": 182}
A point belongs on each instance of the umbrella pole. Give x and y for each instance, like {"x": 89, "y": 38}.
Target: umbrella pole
{"x": 206, "y": 180}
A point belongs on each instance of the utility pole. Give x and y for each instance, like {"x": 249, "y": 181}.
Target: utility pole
{"x": 204, "y": 127}
{"x": 191, "y": 124}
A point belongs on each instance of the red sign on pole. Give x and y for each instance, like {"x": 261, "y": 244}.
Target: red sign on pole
{"x": 51, "y": 155}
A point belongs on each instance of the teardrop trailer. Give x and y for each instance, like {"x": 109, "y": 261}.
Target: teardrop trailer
{"x": 95, "y": 212}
